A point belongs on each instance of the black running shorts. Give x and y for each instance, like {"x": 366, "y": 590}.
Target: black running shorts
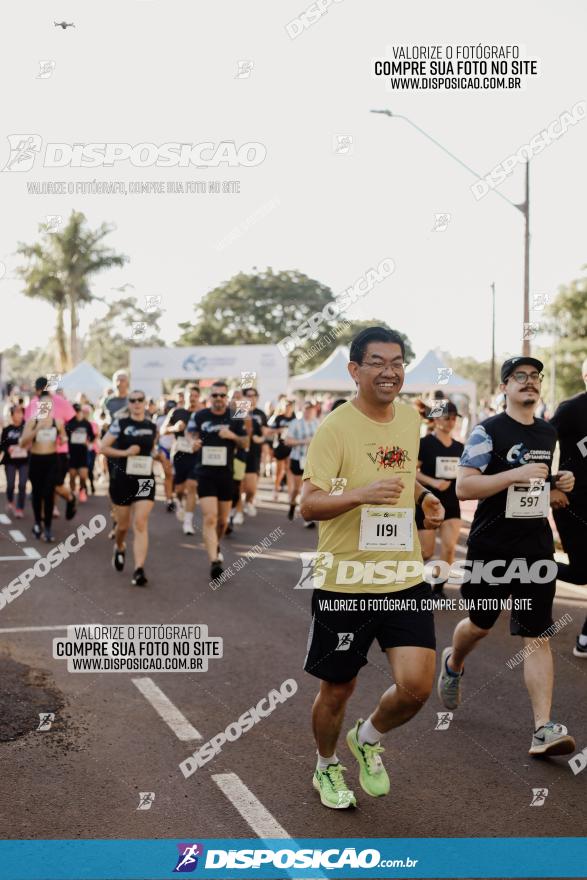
{"x": 345, "y": 625}
{"x": 126, "y": 489}
{"x": 220, "y": 485}
{"x": 529, "y": 621}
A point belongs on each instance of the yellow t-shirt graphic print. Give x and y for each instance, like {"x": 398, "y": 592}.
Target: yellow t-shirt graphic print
{"x": 349, "y": 451}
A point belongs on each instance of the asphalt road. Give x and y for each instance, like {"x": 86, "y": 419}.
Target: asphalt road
{"x": 107, "y": 743}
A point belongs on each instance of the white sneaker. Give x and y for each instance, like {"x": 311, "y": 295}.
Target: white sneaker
{"x": 250, "y": 510}
{"x": 238, "y": 519}
{"x": 188, "y": 528}
{"x": 275, "y": 496}
{"x": 56, "y": 513}
{"x": 180, "y": 512}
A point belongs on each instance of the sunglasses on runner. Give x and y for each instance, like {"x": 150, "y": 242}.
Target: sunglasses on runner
{"x": 219, "y": 395}
{"x": 136, "y": 399}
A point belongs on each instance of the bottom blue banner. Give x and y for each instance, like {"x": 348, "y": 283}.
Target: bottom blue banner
{"x": 227, "y": 858}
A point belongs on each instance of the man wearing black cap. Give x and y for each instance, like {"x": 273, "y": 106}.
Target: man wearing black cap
{"x": 506, "y": 465}
{"x": 570, "y": 513}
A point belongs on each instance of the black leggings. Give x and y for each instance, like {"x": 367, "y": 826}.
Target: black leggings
{"x": 43, "y": 477}
{"x": 570, "y": 522}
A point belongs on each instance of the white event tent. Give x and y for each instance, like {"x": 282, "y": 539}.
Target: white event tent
{"x": 87, "y": 379}
{"x": 331, "y": 375}
{"x": 430, "y": 374}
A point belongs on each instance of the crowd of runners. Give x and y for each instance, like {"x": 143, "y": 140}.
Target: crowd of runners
{"x": 382, "y": 479}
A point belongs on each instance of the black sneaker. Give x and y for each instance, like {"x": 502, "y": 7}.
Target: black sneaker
{"x": 139, "y": 578}
{"x": 216, "y": 569}
{"x": 580, "y": 650}
{"x": 118, "y": 559}
{"x": 229, "y": 530}
{"x": 171, "y": 506}
{"x": 48, "y": 536}
{"x": 310, "y": 525}
{"x": 37, "y": 530}
{"x": 291, "y": 512}
{"x": 70, "y": 508}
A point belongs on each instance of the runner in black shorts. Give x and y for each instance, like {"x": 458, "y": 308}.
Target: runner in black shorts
{"x": 360, "y": 486}
{"x": 218, "y": 435}
{"x": 79, "y": 436}
{"x": 257, "y": 438}
{"x": 437, "y": 469}
{"x": 129, "y": 445}
{"x": 570, "y": 512}
{"x": 184, "y": 457}
{"x": 507, "y": 466}
{"x": 278, "y": 425}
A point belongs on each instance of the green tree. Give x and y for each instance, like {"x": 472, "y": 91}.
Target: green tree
{"x": 566, "y": 320}
{"x": 109, "y": 339}
{"x": 59, "y": 269}
{"x": 256, "y": 309}
{"x": 331, "y": 335}
{"x": 23, "y": 367}
{"x": 475, "y": 371}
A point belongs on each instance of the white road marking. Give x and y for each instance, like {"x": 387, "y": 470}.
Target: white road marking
{"x": 31, "y": 552}
{"x": 166, "y": 710}
{"x": 17, "y": 535}
{"x": 4, "y": 520}
{"x": 31, "y": 629}
{"x": 252, "y": 810}
{"x": 20, "y": 558}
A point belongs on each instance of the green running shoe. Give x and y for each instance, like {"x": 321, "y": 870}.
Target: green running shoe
{"x": 332, "y": 788}
{"x": 373, "y": 775}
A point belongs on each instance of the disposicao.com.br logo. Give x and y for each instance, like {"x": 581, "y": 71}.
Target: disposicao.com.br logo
{"x": 25, "y": 149}
{"x": 288, "y": 858}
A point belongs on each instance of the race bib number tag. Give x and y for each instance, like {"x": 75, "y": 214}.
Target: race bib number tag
{"x": 527, "y": 502}
{"x": 446, "y": 468}
{"x": 17, "y": 452}
{"x": 78, "y": 436}
{"x": 183, "y": 444}
{"x": 46, "y": 435}
{"x": 139, "y": 465}
{"x": 386, "y": 528}
{"x": 214, "y": 456}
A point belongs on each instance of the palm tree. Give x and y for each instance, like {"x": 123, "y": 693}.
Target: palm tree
{"x": 59, "y": 270}
{"x": 41, "y": 276}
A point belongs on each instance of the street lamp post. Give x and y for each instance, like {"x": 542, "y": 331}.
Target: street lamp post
{"x": 523, "y": 207}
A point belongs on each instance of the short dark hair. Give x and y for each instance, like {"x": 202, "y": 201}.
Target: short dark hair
{"x": 219, "y": 382}
{"x": 250, "y": 388}
{"x": 373, "y": 334}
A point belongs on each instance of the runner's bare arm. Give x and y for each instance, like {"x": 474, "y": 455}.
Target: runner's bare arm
{"x": 317, "y": 505}
{"x": 472, "y": 484}
{"x": 108, "y": 450}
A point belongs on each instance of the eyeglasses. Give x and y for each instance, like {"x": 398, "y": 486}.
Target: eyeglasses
{"x": 396, "y": 366}
{"x": 218, "y": 395}
{"x": 522, "y": 377}
{"x": 136, "y": 399}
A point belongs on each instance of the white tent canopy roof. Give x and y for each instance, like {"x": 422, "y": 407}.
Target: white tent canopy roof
{"x": 425, "y": 374}
{"x": 87, "y": 379}
{"x": 332, "y": 375}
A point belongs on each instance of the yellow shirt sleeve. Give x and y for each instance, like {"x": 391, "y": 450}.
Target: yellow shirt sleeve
{"x": 324, "y": 458}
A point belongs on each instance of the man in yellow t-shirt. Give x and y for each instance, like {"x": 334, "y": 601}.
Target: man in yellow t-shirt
{"x": 360, "y": 486}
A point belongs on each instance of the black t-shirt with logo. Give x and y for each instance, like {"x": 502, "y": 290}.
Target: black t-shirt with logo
{"x": 500, "y": 444}
{"x": 259, "y": 420}
{"x": 11, "y": 434}
{"x": 282, "y": 450}
{"x": 431, "y": 449}
{"x": 79, "y": 425}
{"x": 570, "y": 420}
{"x": 132, "y": 432}
{"x": 179, "y": 414}
{"x": 207, "y": 424}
